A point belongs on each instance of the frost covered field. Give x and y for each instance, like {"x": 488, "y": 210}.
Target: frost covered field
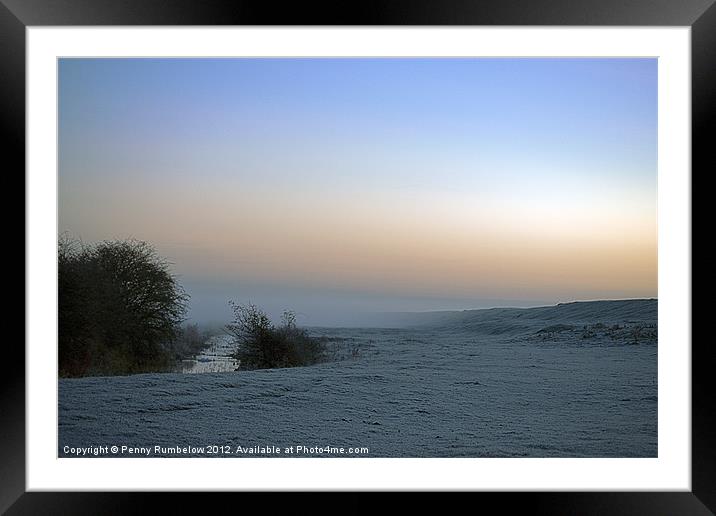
{"x": 574, "y": 380}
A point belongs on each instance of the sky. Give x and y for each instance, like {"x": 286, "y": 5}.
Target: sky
{"x": 343, "y": 187}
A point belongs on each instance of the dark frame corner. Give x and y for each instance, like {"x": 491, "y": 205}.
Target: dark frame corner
{"x": 700, "y": 15}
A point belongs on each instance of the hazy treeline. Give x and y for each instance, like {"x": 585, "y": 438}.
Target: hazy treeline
{"x": 120, "y": 310}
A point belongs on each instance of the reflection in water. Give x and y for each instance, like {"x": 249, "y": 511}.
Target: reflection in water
{"x": 216, "y": 358}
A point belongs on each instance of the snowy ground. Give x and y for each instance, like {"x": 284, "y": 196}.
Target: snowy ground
{"x": 576, "y": 380}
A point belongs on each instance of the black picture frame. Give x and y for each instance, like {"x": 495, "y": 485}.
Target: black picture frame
{"x": 700, "y": 15}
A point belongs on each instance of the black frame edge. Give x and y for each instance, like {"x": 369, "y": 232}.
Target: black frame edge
{"x": 699, "y": 14}
{"x": 365, "y": 12}
{"x": 703, "y": 126}
{"x": 12, "y": 381}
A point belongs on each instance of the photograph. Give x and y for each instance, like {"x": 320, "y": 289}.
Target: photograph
{"x": 357, "y": 257}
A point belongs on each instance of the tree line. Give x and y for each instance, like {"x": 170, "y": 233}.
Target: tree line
{"x": 121, "y": 311}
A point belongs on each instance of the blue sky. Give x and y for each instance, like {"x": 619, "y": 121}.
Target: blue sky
{"x": 386, "y": 184}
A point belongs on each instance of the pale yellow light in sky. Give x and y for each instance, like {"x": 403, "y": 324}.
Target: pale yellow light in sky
{"x": 410, "y": 242}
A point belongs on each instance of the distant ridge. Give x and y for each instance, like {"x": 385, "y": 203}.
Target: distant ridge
{"x": 511, "y": 320}
{"x": 502, "y": 319}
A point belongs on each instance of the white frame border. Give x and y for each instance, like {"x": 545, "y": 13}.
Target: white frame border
{"x": 670, "y": 471}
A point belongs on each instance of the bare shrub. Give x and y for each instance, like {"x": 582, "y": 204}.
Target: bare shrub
{"x": 262, "y": 345}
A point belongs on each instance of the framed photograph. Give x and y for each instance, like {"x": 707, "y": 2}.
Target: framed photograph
{"x": 412, "y": 249}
